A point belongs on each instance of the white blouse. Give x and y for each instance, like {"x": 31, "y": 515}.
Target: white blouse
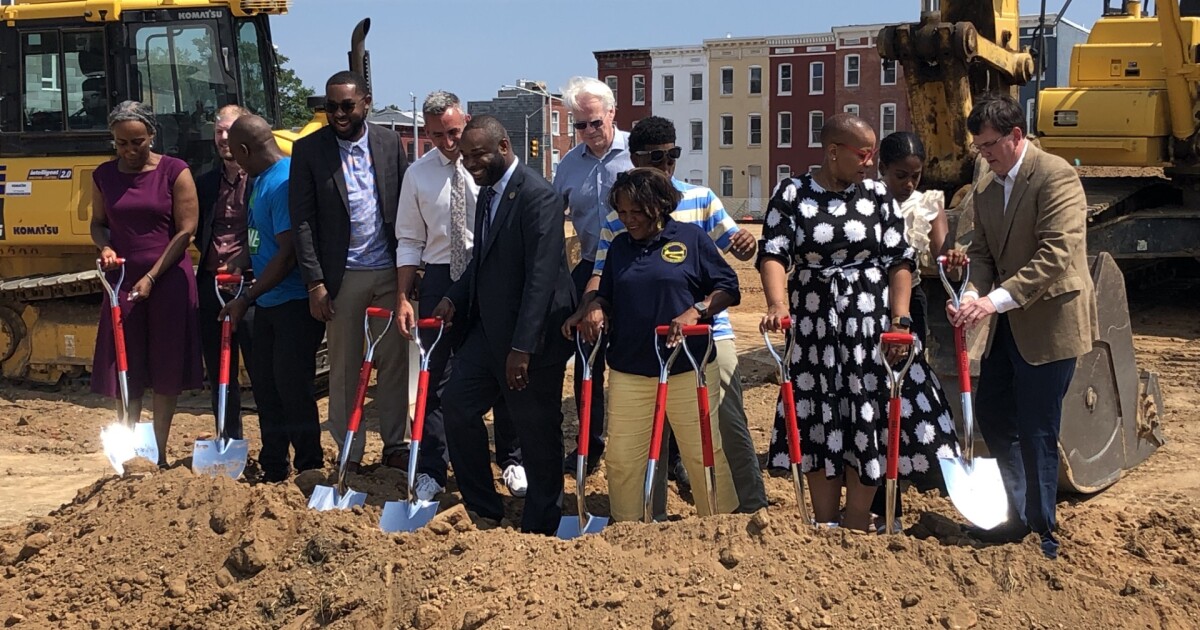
{"x": 919, "y": 212}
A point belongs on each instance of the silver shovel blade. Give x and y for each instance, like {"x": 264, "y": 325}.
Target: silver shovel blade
{"x": 326, "y": 498}
{"x": 122, "y": 443}
{"x": 977, "y": 490}
{"x": 219, "y": 457}
{"x": 568, "y": 527}
{"x": 405, "y": 516}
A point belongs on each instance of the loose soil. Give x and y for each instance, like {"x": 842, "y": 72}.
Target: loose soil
{"x": 172, "y": 550}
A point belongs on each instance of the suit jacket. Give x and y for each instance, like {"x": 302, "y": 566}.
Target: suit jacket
{"x": 1037, "y": 251}
{"x": 320, "y": 207}
{"x": 518, "y": 286}
{"x": 208, "y": 186}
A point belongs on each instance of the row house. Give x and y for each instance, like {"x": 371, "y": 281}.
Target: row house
{"x": 679, "y": 77}
{"x": 865, "y": 85}
{"x": 739, "y": 108}
{"x": 627, "y": 73}
{"x": 801, "y": 99}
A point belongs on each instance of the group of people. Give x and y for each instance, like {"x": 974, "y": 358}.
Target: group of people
{"x": 470, "y": 236}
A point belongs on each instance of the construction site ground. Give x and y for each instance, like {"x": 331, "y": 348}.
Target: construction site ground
{"x": 81, "y": 548}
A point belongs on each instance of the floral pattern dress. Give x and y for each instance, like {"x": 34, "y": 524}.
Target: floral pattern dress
{"x": 837, "y": 248}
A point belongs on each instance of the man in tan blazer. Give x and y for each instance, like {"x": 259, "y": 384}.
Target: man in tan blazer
{"x": 1029, "y": 262}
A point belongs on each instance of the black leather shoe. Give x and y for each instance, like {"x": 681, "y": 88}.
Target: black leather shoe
{"x": 1005, "y": 533}
{"x": 679, "y": 475}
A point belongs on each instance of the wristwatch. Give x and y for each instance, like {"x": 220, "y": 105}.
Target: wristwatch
{"x": 701, "y": 308}
{"x": 903, "y": 320}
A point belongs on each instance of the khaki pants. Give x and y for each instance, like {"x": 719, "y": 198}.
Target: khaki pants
{"x": 630, "y": 423}
{"x": 347, "y": 347}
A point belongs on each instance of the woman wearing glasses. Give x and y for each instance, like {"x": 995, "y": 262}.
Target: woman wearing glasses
{"x": 835, "y": 259}
{"x": 659, "y": 272}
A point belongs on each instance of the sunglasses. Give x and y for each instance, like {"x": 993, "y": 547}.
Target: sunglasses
{"x": 595, "y": 124}
{"x": 864, "y": 155}
{"x": 345, "y": 106}
{"x": 658, "y": 155}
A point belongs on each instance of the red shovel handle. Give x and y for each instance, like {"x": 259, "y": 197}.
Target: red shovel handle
{"x": 688, "y": 331}
{"x": 418, "y": 426}
{"x": 786, "y": 322}
{"x": 964, "y": 362}
{"x": 706, "y": 441}
{"x": 897, "y": 338}
{"x": 428, "y": 322}
{"x": 893, "y": 455}
{"x": 226, "y": 345}
{"x": 660, "y": 414}
{"x": 789, "y": 415}
{"x": 379, "y": 312}
{"x": 119, "y": 339}
{"x": 585, "y": 415}
{"x": 229, "y": 278}
{"x": 364, "y": 377}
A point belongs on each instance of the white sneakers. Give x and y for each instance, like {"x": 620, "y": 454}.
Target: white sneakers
{"x": 426, "y": 488}
{"x": 514, "y": 480}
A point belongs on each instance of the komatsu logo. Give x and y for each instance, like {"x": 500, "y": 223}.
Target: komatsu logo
{"x": 35, "y": 230}
{"x": 207, "y": 14}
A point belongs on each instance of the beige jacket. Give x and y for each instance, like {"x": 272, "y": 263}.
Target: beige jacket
{"x": 1037, "y": 251}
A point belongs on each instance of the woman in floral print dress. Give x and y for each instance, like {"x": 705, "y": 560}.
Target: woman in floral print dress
{"x": 833, "y": 251}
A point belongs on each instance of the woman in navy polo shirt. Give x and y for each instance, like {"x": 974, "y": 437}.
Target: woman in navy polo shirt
{"x": 659, "y": 272}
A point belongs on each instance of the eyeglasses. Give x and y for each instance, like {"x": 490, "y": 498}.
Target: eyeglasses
{"x": 658, "y": 155}
{"x": 864, "y": 155}
{"x": 345, "y": 106}
{"x": 987, "y": 146}
{"x": 595, "y": 124}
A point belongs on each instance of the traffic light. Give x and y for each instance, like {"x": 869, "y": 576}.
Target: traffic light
{"x": 533, "y": 148}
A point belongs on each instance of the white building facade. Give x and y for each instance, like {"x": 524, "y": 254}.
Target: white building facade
{"x": 681, "y": 96}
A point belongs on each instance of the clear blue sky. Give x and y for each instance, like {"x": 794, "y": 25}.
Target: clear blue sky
{"x": 421, "y": 45}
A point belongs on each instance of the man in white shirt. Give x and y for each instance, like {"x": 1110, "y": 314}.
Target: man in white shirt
{"x": 435, "y": 221}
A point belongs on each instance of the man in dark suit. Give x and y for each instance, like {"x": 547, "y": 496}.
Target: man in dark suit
{"x": 224, "y": 194}
{"x": 343, "y": 189}
{"x": 511, "y": 301}
{"x": 1029, "y": 274}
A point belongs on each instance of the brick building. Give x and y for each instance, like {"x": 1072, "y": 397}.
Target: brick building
{"x": 801, "y": 98}
{"x": 539, "y": 136}
{"x": 401, "y": 122}
{"x": 629, "y": 74}
{"x": 866, "y": 85}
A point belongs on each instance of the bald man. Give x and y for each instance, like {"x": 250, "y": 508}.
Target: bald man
{"x": 286, "y": 335}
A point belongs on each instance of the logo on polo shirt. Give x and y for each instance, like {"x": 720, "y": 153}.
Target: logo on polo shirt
{"x": 674, "y": 252}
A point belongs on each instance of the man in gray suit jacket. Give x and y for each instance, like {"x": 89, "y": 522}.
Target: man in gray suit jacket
{"x": 345, "y": 186}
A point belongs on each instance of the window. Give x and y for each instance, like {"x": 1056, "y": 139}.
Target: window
{"x": 816, "y": 122}
{"x": 785, "y": 79}
{"x": 668, "y": 81}
{"x": 408, "y": 150}
{"x": 782, "y": 172}
{"x": 726, "y": 130}
{"x": 697, "y": 135}
{"x": 250, "y": 70}
{"x": 697, "y": 86}
{"x": 554, "y": 120}
{"x": 726, "y": 81}
{"x": 852, "y": 70}
{"x": 755, "y": 80}
{"x": 64, "y": 84}
{"x": 611, "y": 81}
{"x": 850, "y": 109}
{"x": 554, "y": 156}
{"x": 726, "y": 181}
{"x": 814, "y": 169}
{"x": 639, "y": 89}
{"x": 816, "y": 77}
{"x": 426, "y": 147}
{"x": 755, "y": 129}
{"x": 887, "y": 74}
{"x": 784, "y": 123}
{"x": 570, "y": 121}
{"x": 887, "y": 119}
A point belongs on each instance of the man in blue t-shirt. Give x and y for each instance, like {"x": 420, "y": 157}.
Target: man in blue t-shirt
{"x": 287, "y": 337}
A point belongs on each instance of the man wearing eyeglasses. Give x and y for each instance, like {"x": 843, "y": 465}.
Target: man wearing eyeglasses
{"x": 652, "y": 144}
{"x": 1029, "y": 264}
{"x": 584, "y": 177}
{"x": 344, "y": 190}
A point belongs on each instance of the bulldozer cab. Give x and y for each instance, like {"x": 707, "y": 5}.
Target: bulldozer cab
{"x": 64, "y": 75}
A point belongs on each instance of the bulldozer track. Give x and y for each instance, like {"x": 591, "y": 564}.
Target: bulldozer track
{"x": 50, "y": 286}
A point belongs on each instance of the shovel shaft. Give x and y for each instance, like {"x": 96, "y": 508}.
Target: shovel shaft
{"x": 798, "y": 483}
{"x": 418, "y": 426}
{"x": 789, "y": 415}
{"x": 890, "y": 510}
{"x": 964, "y": 362}
{"x": 414, "y": 454}
{"x": 226, "y": 345}
{"x": 706, "y": 440}
{"x": 364, "y": 377}
{"x": 122, "y": 361}
{"x": 660, "y": 416}
{"x": 585, "y": 414}
{"x": 648, "y": 491}
{"x": 893, "y": 452}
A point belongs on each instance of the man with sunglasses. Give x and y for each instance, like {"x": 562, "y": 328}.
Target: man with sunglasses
{"x": 344, "y": 191}
{"x": 584, "y": 177}
{"x": 652, "y": 144}
{"x": 1029, "y": 264}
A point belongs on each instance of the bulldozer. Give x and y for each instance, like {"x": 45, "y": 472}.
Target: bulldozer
{"x": 1131, "y": 102}
{"x": 63, "y": 65}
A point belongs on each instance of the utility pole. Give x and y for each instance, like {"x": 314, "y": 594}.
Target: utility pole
{"x": 416, "y": 133}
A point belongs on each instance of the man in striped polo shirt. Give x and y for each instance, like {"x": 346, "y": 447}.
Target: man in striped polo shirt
{"x": 652, "y": 144}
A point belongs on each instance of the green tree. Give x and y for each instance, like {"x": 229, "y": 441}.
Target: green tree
{"x": 293, "y": 96}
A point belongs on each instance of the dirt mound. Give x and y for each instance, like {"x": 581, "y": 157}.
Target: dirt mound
{"x": 174, "y": 550}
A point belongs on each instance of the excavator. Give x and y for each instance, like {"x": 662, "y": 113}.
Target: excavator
{"x": 1131, "y": 102}
{"x": 63, "y": 65}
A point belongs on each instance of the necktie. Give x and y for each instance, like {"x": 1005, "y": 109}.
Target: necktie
{"x": 486, "y": 194}
{"x": 458, "y": 223}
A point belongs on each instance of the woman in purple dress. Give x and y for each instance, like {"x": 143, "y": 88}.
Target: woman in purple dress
{"x": 144, "y": 210}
